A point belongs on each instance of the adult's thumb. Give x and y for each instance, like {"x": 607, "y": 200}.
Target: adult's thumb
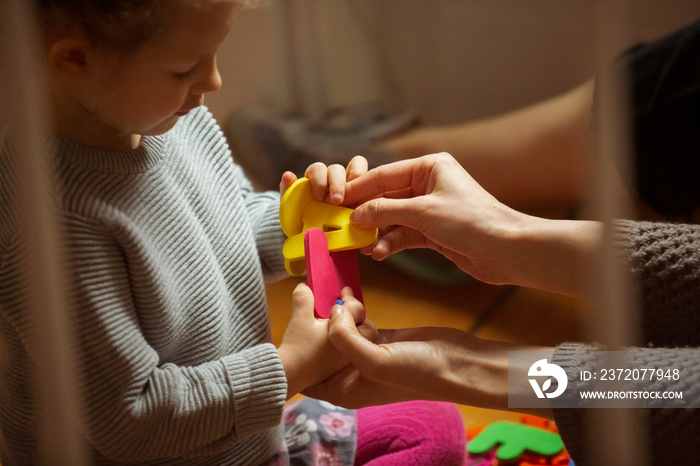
{"x": 346, "y": 338}
{"x": 382, "y": 212}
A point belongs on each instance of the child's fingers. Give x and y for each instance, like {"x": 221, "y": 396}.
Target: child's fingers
{"x": 288, "y": 178}
{"x": 336, "y": 183}
{"x": 302, "y": 300}
{"x": 317, "y": 173}
{"x": 357, "y": 167}
{"x": 328, "y": 183}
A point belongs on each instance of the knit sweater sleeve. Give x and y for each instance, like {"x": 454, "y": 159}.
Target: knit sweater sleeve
{"x": 263, "y": 211}
{"x": 665, "y": 259}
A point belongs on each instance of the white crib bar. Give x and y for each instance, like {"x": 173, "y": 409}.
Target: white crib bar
{"x": 613, "y": 435}
{"x": 54, "y": 381}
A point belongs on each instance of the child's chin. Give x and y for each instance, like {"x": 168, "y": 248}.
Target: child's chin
{"x": 162, "y": 128}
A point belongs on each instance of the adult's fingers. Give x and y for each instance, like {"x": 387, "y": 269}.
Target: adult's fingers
{"x": 356, "y": 308}
{"x": 407, "y": 176}
{"x": 382, "y": 212}
{"x": 379, "y": 180}
{"x": 346, "y": 338}
{"x": 396, "y": 240}
{"x": 368, "y": 330}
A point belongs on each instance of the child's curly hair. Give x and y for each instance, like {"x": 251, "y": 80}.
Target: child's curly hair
{"x": 112, "y": 24}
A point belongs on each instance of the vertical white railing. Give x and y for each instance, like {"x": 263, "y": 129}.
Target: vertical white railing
{"x": 613, "y": 435}
{"x": 54, "y": 380}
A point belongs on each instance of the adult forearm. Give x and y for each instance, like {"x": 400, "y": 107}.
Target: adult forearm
{"x": 552, "y": 255}
{"x": 477, "y": 374}
{"x": 534, "y": 155}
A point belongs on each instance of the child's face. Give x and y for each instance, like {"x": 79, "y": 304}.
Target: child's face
{"x": 163, "y": 80}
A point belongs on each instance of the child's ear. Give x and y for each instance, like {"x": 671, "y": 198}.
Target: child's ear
{"x": 70, "y": 57}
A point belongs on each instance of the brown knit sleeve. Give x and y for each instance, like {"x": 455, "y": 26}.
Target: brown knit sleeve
{"x": 665, "y": 259}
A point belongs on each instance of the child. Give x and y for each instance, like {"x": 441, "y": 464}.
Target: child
{"x": 166, "y": 254}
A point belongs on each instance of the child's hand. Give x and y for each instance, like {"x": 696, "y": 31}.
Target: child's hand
{"x": 328, "y": 183}
{"x": 307, "y": 355}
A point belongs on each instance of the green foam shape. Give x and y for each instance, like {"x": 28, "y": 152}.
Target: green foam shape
{"x": 514, "y": 440}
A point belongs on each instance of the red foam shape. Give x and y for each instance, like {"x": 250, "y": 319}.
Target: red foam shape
{"x": 327, "y": 273}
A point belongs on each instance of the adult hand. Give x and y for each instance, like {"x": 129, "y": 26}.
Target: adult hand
{"x": 429, "y": 363}
{"x": 432, "y": 202}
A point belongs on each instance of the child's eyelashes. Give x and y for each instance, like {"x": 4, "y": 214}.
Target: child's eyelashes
{"x": 184, "y": 74}
{"x": 185, "y": 70}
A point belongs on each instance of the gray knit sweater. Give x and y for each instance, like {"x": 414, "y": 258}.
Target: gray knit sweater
{"x": 168, "y": 249}
{"x": 665, "y": 259}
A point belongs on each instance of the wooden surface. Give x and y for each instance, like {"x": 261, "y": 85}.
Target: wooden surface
{"x": 394, "y": 299}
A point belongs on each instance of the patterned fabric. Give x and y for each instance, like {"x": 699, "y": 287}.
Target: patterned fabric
{"x": 317, "y": 433}
{"x": 410, "y": 433}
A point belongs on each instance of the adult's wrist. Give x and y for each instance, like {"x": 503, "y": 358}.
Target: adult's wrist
{"x": 553, "y": 255}
{"x": 477, "y": 374}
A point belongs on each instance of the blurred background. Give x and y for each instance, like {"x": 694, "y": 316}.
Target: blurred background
{"x": 446, "y": 60}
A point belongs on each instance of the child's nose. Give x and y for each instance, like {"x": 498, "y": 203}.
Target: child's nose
{"x": 210, "y": 79}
